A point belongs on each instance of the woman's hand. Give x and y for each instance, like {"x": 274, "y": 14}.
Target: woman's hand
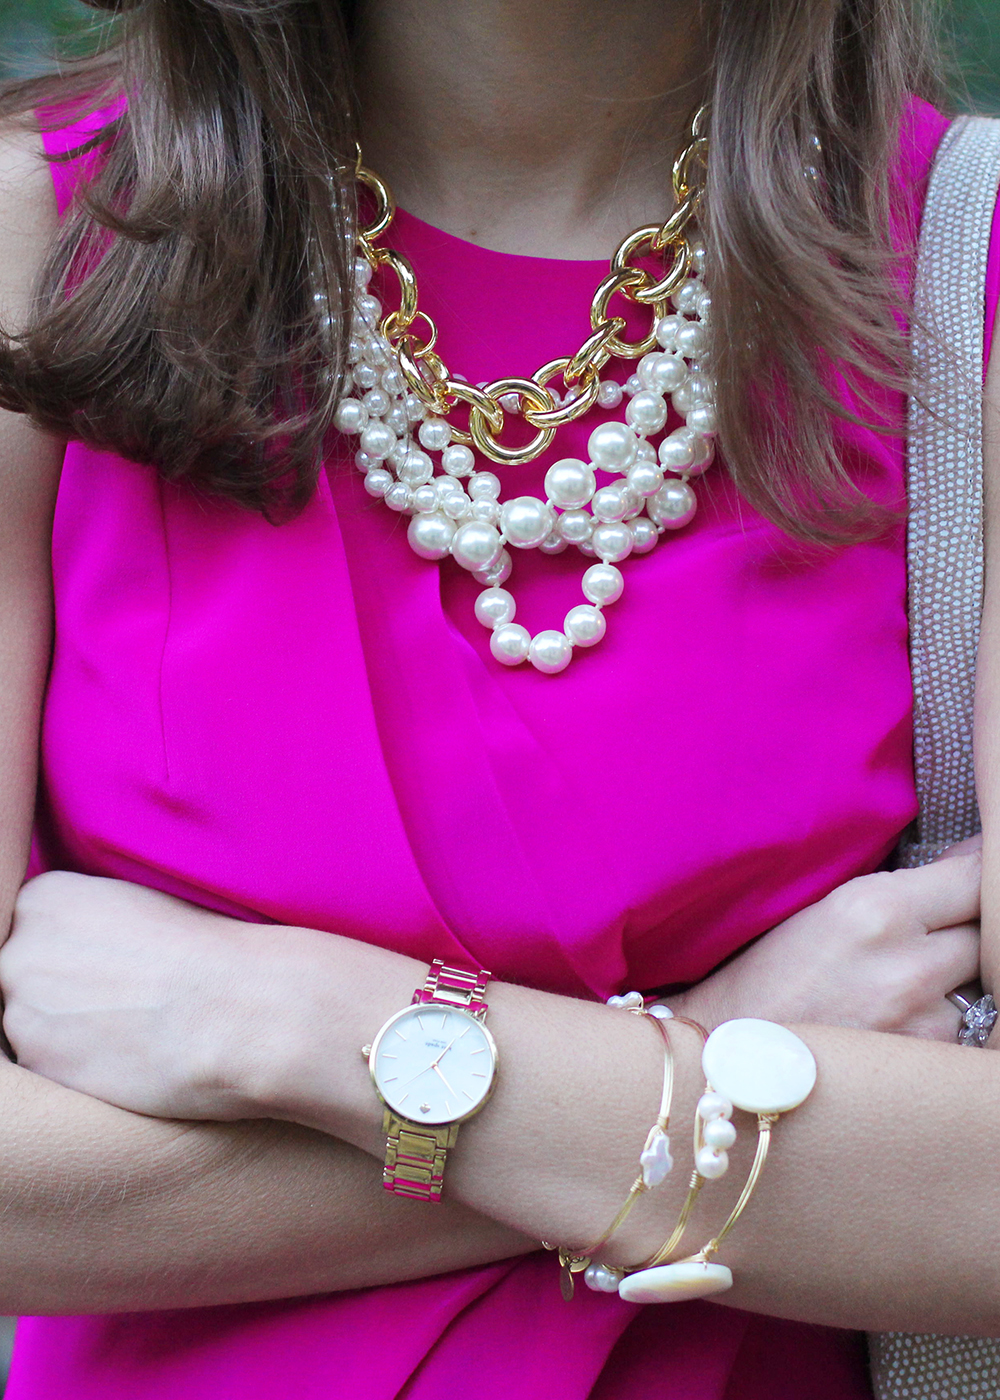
{"x": 879, "y": 953}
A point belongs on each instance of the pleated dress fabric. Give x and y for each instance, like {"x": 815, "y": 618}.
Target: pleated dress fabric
{"x": 303, "y": 724}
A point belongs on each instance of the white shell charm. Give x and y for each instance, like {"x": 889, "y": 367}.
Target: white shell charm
{"x": 628, "y": 1001}
{"x": 675, "y": 1283}
{"x": 655, "y": 1160}
{"x": 759, "y": 1066}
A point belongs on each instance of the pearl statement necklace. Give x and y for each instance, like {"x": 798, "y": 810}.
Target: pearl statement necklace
{"x": 398, "y": 395}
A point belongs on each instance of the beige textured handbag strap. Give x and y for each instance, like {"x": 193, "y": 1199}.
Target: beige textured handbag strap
{"x": 945, "y": 567}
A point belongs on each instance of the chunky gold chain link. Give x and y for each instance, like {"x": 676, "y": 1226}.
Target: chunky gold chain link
{"x": 429, "y": 378}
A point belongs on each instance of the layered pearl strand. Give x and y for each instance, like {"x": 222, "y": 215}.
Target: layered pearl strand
{"x": 410, "y": 461}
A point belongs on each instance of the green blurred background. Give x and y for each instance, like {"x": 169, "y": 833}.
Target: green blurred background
{"x": 28, "y": 29}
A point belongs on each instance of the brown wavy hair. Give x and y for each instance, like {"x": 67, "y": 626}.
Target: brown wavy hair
{"x": 175, "y": 321}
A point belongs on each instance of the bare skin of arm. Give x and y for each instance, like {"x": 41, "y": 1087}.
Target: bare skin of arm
{"x": 96, "y": 1199}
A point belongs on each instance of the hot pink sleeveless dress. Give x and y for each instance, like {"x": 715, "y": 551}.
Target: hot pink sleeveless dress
{"x": 303, "y": 724}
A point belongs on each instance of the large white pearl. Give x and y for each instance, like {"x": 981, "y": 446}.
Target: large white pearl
{"x": 431, "y": 535}
{"x": 550, "y": 652}
{"x": 510, "y": 642}
{"x": 612, "y": 543}
{"x": 644, "y": 535}
{"x": 692, "y": 340}
{"x": 569, "y": 483}
{"x": 378, "y": 440}
{"x": 434, "y": 434}
{"x": 710, "y": 1164}
{"x": 602, "y": 1279}
{"x": 673, "y": 506}
{"x": 719, "y": 1134}
{"x": 350, "y": 417}
{"x": 660, "y": 373}
{"x": 666, "y": 331}
{"x": 612, "y": 446}
{"x": 585, "y": 625}
{"x": 761, "y": 1066}
{"x": 575, "y": 526}
{"x": 495, "y": 606}
{"x": 647, "y": 412}
{"x": 686, "y": 296}
{"x": 458, "y": 460}
{"x": 673, "y": 1283}
{"x": 476, "y": 545}
{"x": 610, "y": 502}
{"x": 526, "y": 521}
{"x": 603, "y": 583}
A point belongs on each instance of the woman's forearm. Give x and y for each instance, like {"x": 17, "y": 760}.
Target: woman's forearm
{"x": 104, "y": 1210}
{"x": 878, "y": 1208}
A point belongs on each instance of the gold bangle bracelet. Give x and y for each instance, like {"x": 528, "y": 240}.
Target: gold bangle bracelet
{"x": 655, "y": 1163}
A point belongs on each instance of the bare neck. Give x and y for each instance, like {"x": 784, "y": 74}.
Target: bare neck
{"x": 546, "y": 129}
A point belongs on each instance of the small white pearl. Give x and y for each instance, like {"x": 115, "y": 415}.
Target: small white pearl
{"x": 355, "y": 350}
{"x": 476, "y": 545}
{"x": 610, "y": 503}
{"x": 553, "y": 544}
{"x": 550, "y": 652}
{"x": 526, "y": 521}
{"x": 697, "y": 255}
{"x": 635, "y": 503}
{"x": 661, "y": 1012}
{"x": 378, "y": 352}
{"x": 686, "y": 296}
{"x": 704, "y": 303}
{"x": 378, "y": 481}
{"x": 702, "y": 450}
{"x": 610, "y": 394}
{"x": 695, "y": 390}
{"x": 495, "y": 606}
{"x": 703, "y": 418}
{"x": 425, "y": 498}
{"x": 510, "y": 643}
{"x": 459, "y": 507}
{"x": 415, "y": 410}
{"x": 603, "y": 583}
{"x": 430, "y": 536}
{"x": 364, "y": 461}
{"x": 633, "y": 385}
{"x": 447, "y": 486}
{"x": 416, "y": 469}
{"x": 644, "y": 535}
{"x": 612, "y": 543}
{"x": 366, "y": 377}
{"x": 497, "y": 573}
{"x": 484, "y": 486}
{"x": 569, "y": 483}
{"x": 457, "y": 459}
{"x": 434, "y": 434}
{"x": 362, "y": 273}
{"x": 486, "y": 510}
{"x": 377, "y": 402}
{"x": 673, "y": 506}
{"x": 692, "y": 340}
{"x": 575, "y": 526}
{"x": 585, "y": 547}
{"x": 661, "y": 373}
{"x": 602, "y": 1279}
{"x": 647, "y": 412}
{"x": 398, "y": 497}
{"x": 719, "y": 1134}
{"x": 392, "y": 381}
{"x": 712, "y": 1105}
{"x": 711, "y": 1165}
{"x": 585, "y": 625}
{"x": 612, "y": 446}
{"x": 666, "y": 331}
{"x": 378, "y": 440}
{"x": 645, "y": 452}
{"x": 645, "y": 478}
{"x": 350, "y": 417}
{"x": 676, "y": 452}
{"x": 369, "y": 307}
{"x": 397, "y": 420}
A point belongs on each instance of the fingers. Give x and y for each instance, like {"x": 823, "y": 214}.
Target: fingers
{"x": 955, "y": 956}
{"x": 945, "y": 892}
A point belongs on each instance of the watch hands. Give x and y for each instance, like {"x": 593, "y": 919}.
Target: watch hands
{"x": 442, "y": 1078}
{"x": 434, "y": 1066}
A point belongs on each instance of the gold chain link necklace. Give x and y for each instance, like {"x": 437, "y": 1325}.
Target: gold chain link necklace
{"x": 402, "y": 402}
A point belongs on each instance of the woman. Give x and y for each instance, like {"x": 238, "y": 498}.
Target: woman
{"x": 293, "y": 751}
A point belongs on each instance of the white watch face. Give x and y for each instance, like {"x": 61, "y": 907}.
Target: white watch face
{"x": 433, "y": 1064}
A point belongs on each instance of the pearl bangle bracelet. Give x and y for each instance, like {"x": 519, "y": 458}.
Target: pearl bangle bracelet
{"x": 655, "y": 1162}
{"x": 763, "y": 1069}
